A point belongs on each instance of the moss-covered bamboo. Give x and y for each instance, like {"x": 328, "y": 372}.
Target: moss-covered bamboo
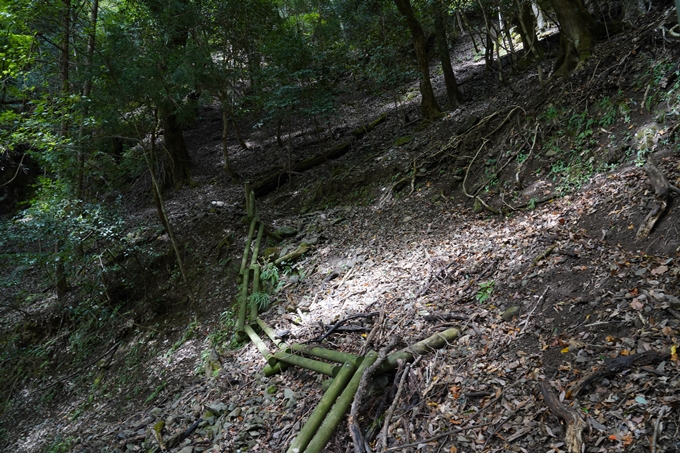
{"x": 246, "y": 251}
{"x": 256, "y": 289}
{"x": 327, "y": 400}
{"x": 309, "y": 364}
{"x": 271, "y": 334}
{"x": 258, "y": 241}
{"x": 270, "y": 370}
{"x": 326, "y": 354}
{"x": 344, "y": 401}
{"x": 436, "y": 341}
{"x": 241, "y": 321}
{"x": 259, "y": 344}
{"x": 250, "y": 204}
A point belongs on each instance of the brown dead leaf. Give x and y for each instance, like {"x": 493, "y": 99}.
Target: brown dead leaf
{"x": 636, "y": 305}
{"x": 659, "y": 270}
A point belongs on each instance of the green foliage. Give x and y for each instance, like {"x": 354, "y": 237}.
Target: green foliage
{"x": 261, "y": 300}
{"x": 157, "y": 391}
{"x": 269, "y": 276}
{"x": 485, "y": 291}
{"x": 188, "y": 334}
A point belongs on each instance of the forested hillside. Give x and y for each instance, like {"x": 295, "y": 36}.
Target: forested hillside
{"x": 216, "y": 215}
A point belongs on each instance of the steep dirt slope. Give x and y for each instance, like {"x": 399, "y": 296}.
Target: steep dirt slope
{"x": 550, "y": 290}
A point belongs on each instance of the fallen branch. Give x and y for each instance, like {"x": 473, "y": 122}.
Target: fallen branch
{"x": 617, "y": 365}
{"x": 573, "y": 436}
{"x": 538, "y": 302}
{"x": 340, "y": 323}
{"x": 656, "y": 428}
{"x": 355, "y": 431}
{"x": 390, "y": 411}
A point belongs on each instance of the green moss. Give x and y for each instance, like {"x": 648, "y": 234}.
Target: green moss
{"x": 401, "y": 141}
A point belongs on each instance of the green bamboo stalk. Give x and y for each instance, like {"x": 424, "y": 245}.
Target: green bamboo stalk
{"x": 271, "y": 334}
{"x": 259, "y": 344}
{"x": 436, "y": 341}
{"x": 270, "y": 370}
{"x": 342, "y": 404}
{"x": 309, "y": 364}
{"x": 326, "y": 354}
{"x": 256, "y": 289}
{"x": 258, "y": 241}
{"x": 252, "y": 210}
{"x": 247, "y": 190}
{"x": 327, "y": 400}
{"x": 246, "y": 251}
{"x": 241, "y": 321}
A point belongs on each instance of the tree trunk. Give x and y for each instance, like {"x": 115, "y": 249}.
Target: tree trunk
{"x": 180, "y": 161}
{"x": 87, "y": 89}
{"x": 527, "y": 31}
{"x": 578, "y": 35}
{"x": 428, "y": 106}
{"x": 225, "y": 145}
{"x": 163, "y": 215}
{"x": 452, "y": 91}
{"x": 488, "y": 48}
{"x": 59, "y": 272}
{"x": 65, "y": 46}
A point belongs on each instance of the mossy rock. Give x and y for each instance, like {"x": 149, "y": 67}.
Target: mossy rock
{"x": 405, "y": 140}
{"x": 270, "y": 253}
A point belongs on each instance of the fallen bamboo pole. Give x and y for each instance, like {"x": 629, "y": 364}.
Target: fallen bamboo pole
{"x": 327, "y": 354}
{"x": 309, "y": 364}
{"x": 270, "y": 370}
{"x": 271, "y": 334}
{"x": 344, "y": 401}
{"x": 259, "y": 344}
{"x": 436, "y": 341}
{"x": 317, "y": 416}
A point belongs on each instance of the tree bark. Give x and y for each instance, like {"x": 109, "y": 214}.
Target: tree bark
{"x": 87, "y": 89}
{"x": 428, "y": 106}
{"x": 527, "y": 31}
{"x": 180, "y": 161}
{"x": 578, "y": 35}
{"x": 452, "y": 91}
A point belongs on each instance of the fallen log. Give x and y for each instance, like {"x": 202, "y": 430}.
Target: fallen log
{"x": 278, "y": 177}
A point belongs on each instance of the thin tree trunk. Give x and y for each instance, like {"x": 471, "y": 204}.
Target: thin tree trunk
{"x": 242, "y": 143}
{"x": 488, "y": 50}
{"x": 452, "y": 92}
{"x": 225, "y": 144}
{"x": 65, "y": 47}
{"x": 428, "y": 106}
{"x": 162, "y": 214}
{"x": 180, "y": 161}
{"x": 87, "y": 89}
{"x": 469, "y": 29}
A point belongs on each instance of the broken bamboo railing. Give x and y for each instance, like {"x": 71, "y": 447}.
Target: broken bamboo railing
{"x": 337, "y": 399}
{"x": 317, "y": 416}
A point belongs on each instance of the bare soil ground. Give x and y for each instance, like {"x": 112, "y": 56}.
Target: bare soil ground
{"x": 550, "y": 291}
